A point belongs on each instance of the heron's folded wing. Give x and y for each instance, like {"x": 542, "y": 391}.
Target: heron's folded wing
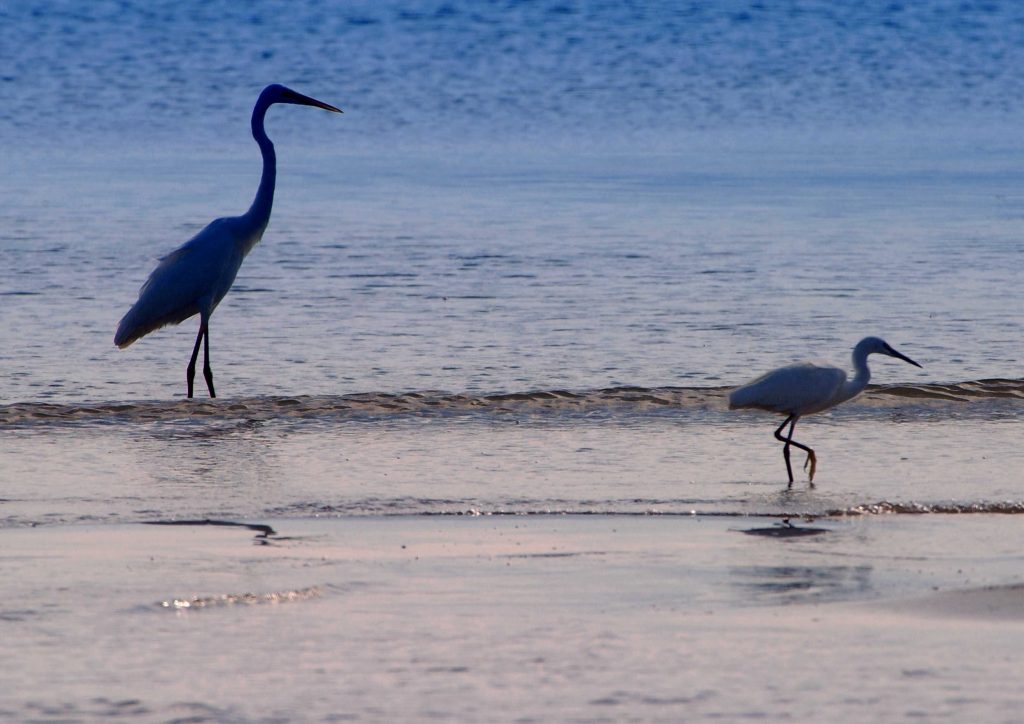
{"x": 177, "y": 288}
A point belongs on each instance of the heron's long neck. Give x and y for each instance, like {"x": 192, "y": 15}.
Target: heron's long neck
{"x": 259, "y": 213}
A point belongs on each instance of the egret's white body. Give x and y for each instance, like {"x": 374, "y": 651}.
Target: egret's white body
{"x": 193, "y": 278}
{"x": 802, "y": 388}
{"x": 808, "y": 387}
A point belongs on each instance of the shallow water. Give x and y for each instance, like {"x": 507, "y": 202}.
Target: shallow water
{"x": 618, "y": 451}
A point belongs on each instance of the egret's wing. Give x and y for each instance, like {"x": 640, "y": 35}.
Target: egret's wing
{"x": 194, "y": 275}
{"x": 799, "y": 388}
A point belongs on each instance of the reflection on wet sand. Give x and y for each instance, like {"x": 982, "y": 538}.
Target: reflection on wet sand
{"x": 801, "y": 584}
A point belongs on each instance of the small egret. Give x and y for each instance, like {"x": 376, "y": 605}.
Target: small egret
{"x": 808, "y": 387}
{"x": 193, "y": 278}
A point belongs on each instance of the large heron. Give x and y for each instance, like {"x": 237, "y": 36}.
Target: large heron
{"x": 193, "y": 278}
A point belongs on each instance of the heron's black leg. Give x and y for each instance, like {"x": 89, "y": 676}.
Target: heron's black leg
{"x": 190, "y": 371}
{"x": 207, "y": 372}
{"x": 791, "y": 421}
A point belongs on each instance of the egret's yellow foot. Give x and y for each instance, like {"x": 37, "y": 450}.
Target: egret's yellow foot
{"x": 812, "y": 461}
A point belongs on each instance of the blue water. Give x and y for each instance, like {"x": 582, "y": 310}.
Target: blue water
{"x": 446, "y": 70}
{"x": 520, "y": 196}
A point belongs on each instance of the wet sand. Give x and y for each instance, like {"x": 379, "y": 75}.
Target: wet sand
{"x": 517, "y": 618}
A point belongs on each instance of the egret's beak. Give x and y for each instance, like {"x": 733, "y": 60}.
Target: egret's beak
{"x": 301, "y": 100}
{"x": 893, "y": 353}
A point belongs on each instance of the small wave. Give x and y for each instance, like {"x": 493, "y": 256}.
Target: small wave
{"x": 722, "y": 510}
{"x": 359, "y": 405}
{"x": 637, "y": 508}
{"x": 959, "y": 392}
{"x": 612, "y": 400}
{"x": 1008, "y": 507}
{"x": 777, "y": 509}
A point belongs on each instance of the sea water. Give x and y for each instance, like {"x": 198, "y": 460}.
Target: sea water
{"x": 520, "y": 199}
{"x": 521, "y": 272}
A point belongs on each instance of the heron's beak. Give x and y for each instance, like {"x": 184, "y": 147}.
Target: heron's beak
{"x": 321, "y": 104}
{"x": 302, "y": 100}
{"x": 897, "y": 355}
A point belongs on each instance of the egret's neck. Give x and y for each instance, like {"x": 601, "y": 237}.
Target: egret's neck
{"x": 259, "y": 212}
{"x": 861, "y": 377}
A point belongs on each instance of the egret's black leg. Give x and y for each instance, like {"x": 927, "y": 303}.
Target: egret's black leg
{"x": 791, "y": 420}
{"x": 812, "y": 459}
{"x": 207, "y": 372}
{"x": 190, "y": 371}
